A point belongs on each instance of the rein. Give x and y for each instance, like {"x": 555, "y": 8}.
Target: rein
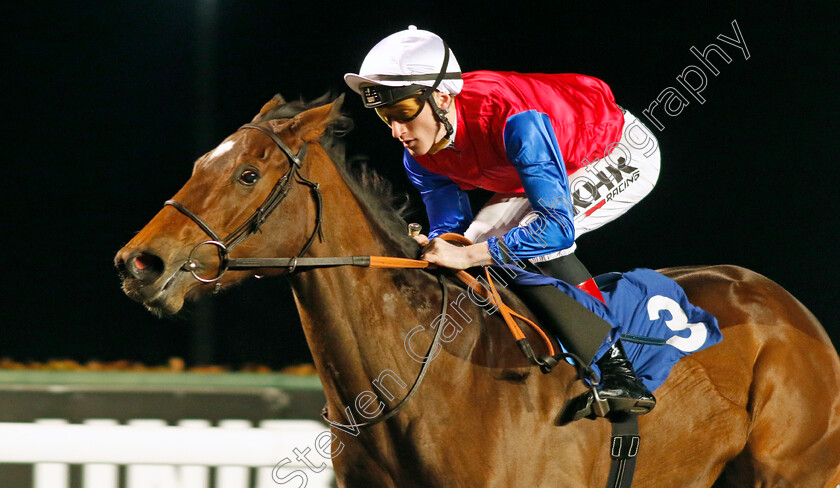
{"x": 491, "y": 294}
{"x": 423, "y": 369}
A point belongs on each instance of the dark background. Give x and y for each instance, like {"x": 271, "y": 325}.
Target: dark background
{"x": 107, "y": 104}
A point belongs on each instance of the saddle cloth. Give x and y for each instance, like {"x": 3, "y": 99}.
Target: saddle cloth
{"x": 644, "y": 304}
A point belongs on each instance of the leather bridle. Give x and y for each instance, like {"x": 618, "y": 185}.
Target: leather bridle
{"x": 252, "y": 225}
{"x": 254, "y": 222}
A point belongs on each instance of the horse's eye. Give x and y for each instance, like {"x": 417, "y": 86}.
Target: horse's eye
{"x": 249, "y": 177}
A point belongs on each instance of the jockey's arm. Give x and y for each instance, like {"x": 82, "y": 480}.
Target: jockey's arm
{"x": 448, "y": 209}
{"x": 532, "y": 148}
{"x": 447, "y": 206}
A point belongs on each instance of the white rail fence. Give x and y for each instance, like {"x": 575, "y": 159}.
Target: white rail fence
{"x": 157, "y": 455}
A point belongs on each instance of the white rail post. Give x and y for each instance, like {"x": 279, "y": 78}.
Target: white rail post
{"x": 50, "y": 475}
{"x": 233, "y": 476}
{"x": 99, "y": 475}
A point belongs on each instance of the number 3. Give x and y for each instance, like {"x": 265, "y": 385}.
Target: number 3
{"x": 679, "y": 321}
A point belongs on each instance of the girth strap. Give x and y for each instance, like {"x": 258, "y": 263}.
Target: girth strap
{"x": 624, "y": 447}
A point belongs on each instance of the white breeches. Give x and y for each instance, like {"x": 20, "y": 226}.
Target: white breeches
{"x": 601, "y": 191}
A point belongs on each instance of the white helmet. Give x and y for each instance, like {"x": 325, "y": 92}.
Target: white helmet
{"x": 411, "y": 57}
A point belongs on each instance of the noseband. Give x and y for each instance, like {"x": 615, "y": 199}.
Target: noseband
{"x": 252, "y": 224}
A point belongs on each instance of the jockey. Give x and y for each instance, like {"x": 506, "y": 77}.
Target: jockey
{"x": 561, "y": 157}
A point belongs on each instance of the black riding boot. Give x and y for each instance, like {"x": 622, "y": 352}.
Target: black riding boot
{"x": 622, "y": 390}
{"x": 579, "y": 330}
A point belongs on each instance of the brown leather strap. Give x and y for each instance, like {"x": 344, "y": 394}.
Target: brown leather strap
{"x": 508, "y": 313}
{"x": 430, "y": 355}
{"x": 240, "y": 264}
{"x": 388, "y": 262}
{"x": 510, "y": 316}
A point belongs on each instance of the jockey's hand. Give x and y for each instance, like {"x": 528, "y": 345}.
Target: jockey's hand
{"x": 421, "y": 239}
{"x": 444, "y": 254}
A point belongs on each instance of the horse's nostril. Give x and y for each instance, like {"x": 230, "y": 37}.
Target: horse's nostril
{"x": 122, "y": 270}
{"x": 142, "y": 262}
{"x": 145, "y": 266}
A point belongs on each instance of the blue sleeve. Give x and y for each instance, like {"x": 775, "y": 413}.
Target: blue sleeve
{"x": 447, "y": 206}
{"x": 532, "y": 148}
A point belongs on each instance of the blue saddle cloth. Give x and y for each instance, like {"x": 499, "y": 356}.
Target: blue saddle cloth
{"x": 641, "y": 303}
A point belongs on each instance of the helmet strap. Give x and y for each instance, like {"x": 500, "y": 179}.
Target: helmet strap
{"x": 441, "y": 116}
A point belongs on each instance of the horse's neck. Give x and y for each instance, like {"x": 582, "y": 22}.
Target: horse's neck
{"x": 355, "y": 318}
{"x": 358, "y": 323}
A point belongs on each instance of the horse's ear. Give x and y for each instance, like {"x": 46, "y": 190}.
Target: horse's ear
{"x": 311, "y": 124}
{"x": 276, "y": 101}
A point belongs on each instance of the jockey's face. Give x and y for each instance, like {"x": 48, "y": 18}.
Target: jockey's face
{"x": 421, "y": 133}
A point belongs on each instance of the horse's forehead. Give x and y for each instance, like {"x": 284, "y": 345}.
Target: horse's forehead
{"x": 221, "y": 149}
{"x": 211, "y": 158}
{"x": 239, "y": 142}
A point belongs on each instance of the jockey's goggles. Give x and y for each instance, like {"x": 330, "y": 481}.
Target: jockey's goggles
{"x": 404, "y": 103}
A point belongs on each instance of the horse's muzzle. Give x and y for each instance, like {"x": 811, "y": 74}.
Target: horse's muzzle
{"x": 145, "y": 279}
{"x": 143, "y": 266}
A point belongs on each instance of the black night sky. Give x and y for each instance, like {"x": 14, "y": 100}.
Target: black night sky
{"x": 109, "y": 103}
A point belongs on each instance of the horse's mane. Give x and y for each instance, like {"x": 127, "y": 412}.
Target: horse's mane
{"x": 373, "y": 192}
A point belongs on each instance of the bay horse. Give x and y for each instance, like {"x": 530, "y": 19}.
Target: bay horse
{"x": 759, "y": 409}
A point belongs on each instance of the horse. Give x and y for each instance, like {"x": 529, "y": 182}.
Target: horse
{"x": 759, "y": 409}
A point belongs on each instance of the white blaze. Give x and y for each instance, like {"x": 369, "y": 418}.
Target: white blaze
{"x": 223, "y": 148}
